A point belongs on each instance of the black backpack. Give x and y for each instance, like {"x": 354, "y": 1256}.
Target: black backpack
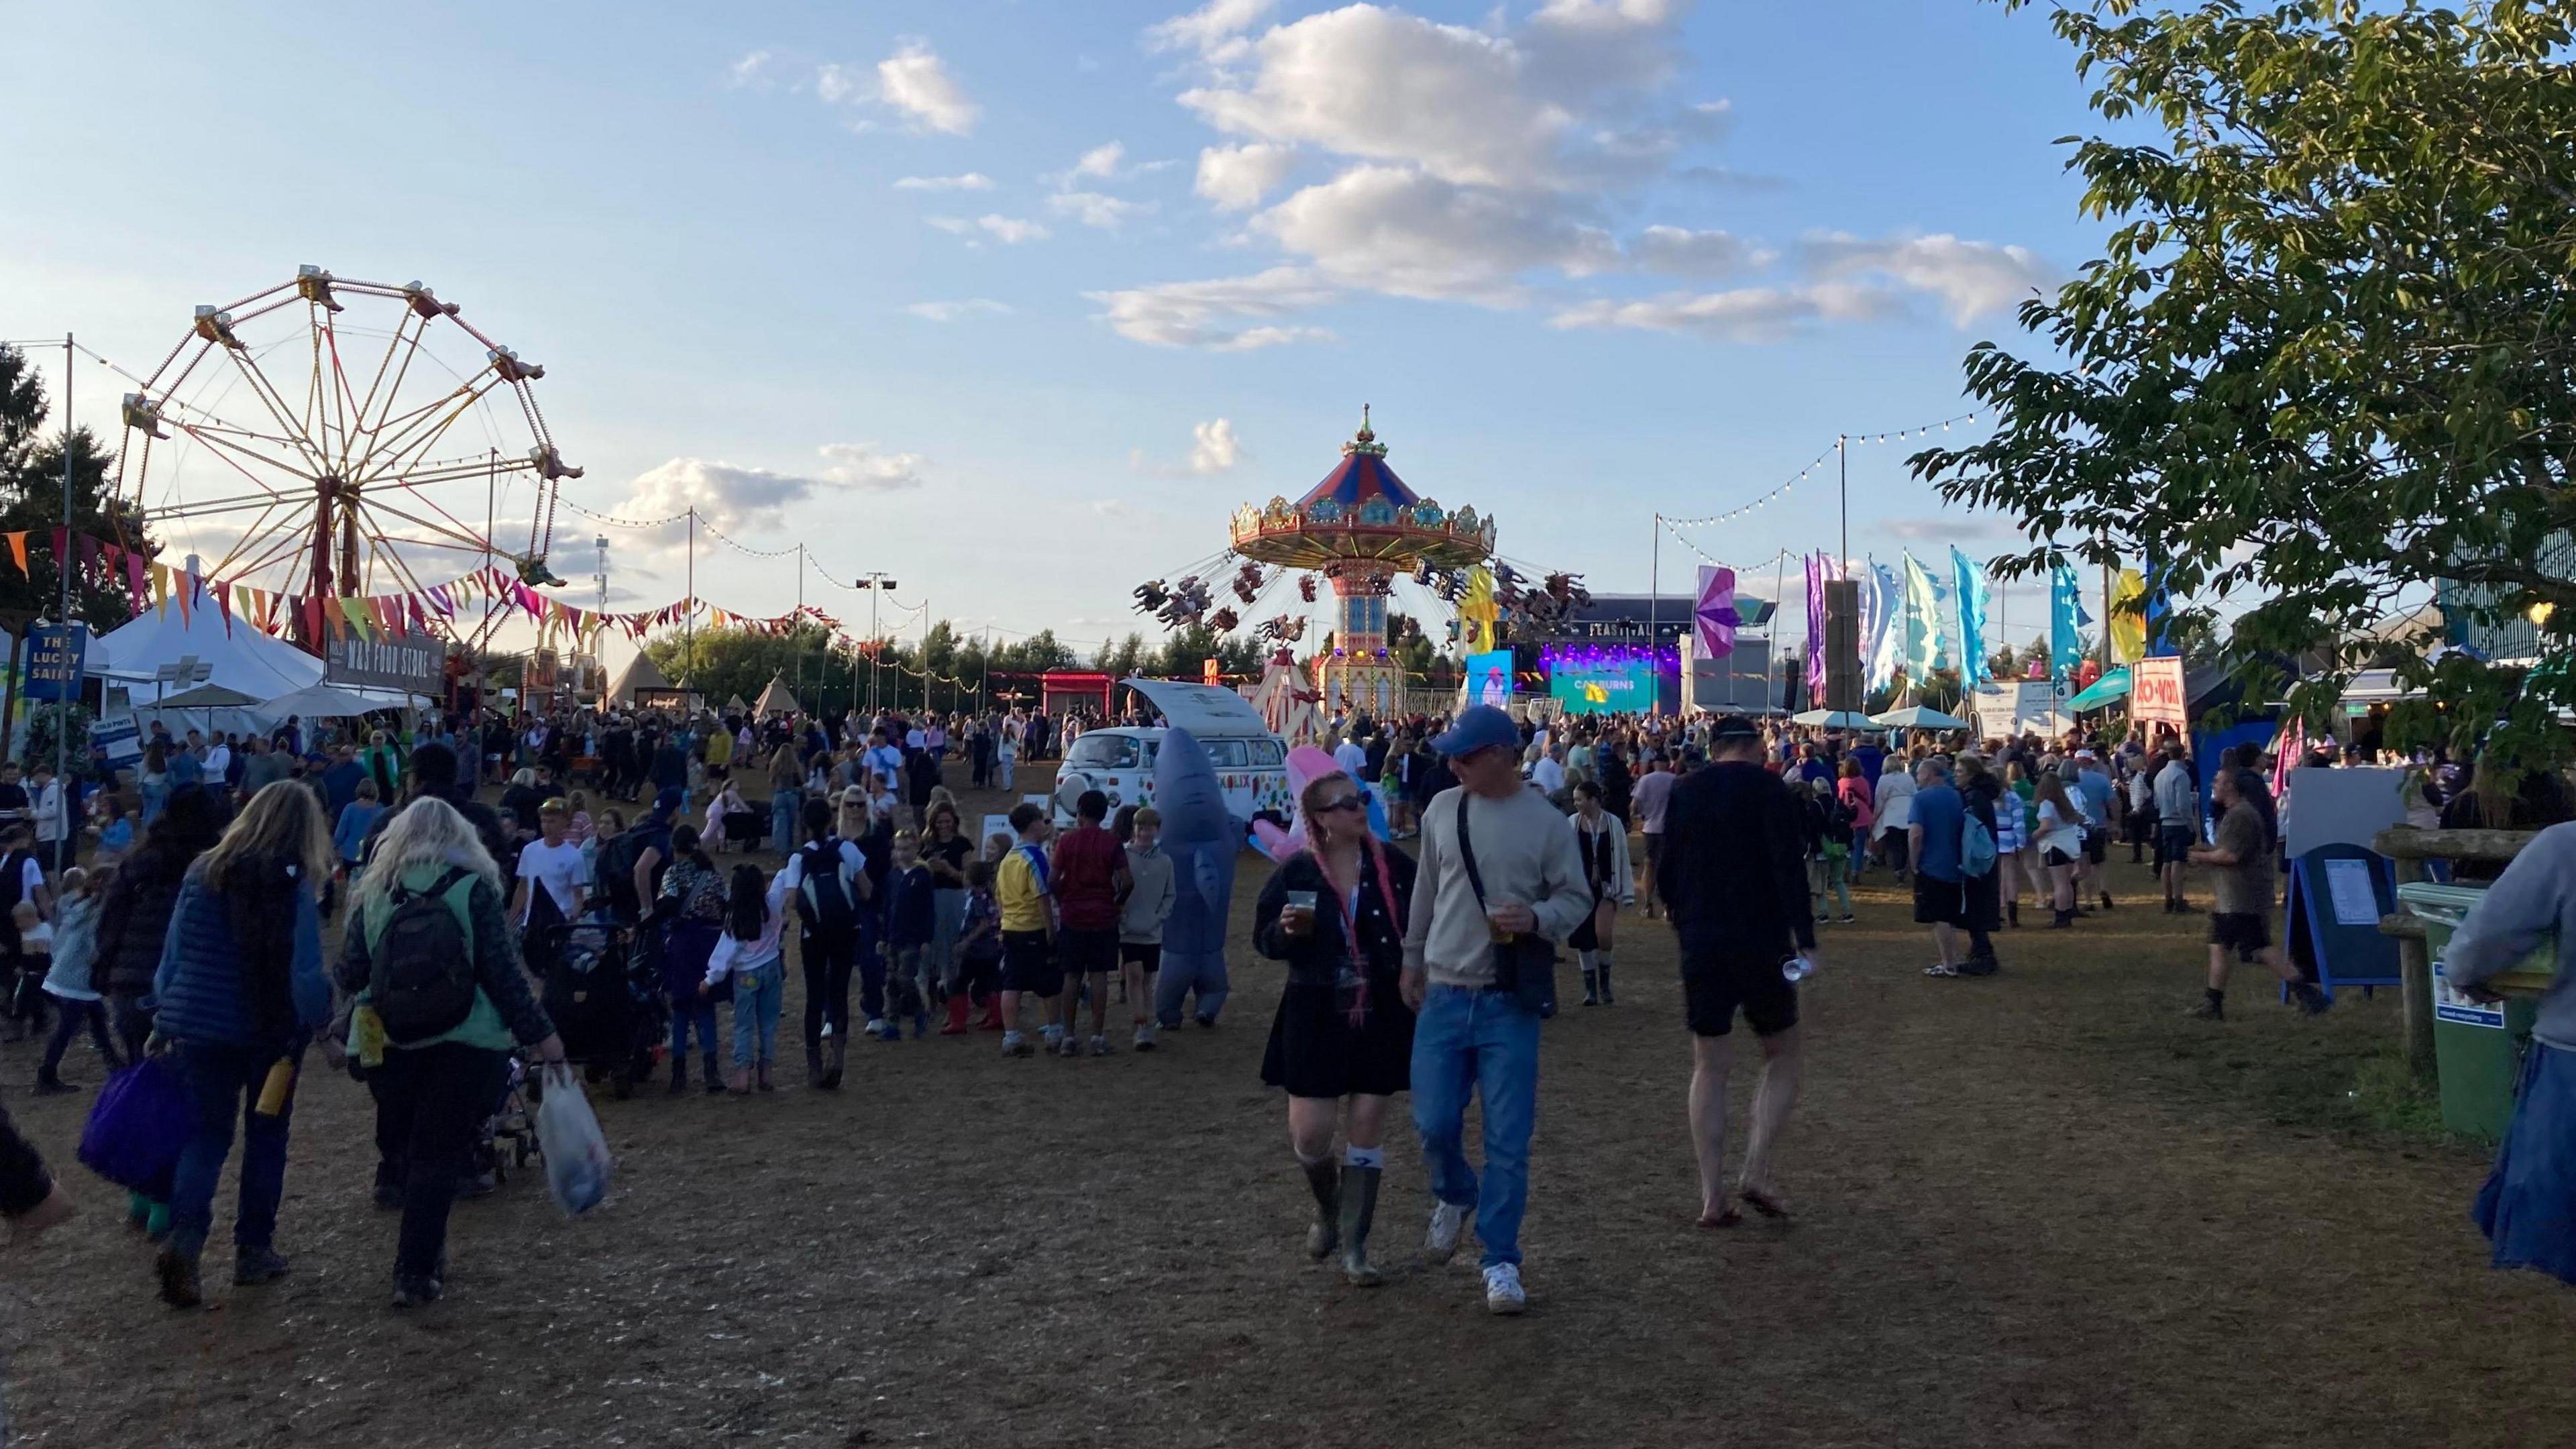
{"x": 421, "y": 981}
{"x": 823, "y": 899}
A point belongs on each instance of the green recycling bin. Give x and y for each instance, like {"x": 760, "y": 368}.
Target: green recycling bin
{"x": 2477, "y": 1046}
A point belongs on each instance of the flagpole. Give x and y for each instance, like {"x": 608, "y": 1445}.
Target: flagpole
{"x": 1654, "y": 597}
{"x": 63, "y": 566}
{"x": 689, "y": 612}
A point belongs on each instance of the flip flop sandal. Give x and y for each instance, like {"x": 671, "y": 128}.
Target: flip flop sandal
{"x": 1936, "y": 969}
{"x": 1727, "y": 1219}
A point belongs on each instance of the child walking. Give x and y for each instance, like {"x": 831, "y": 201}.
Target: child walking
{"x": 1149, "y": 903}
{"x": 748, "y": 953}
{"x": 979, "y": 953}
{"x": 75, "y": 949}
{"x": 909, "y": 927}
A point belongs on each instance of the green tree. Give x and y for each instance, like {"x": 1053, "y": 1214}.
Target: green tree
{"x": 2324, "y": 360}
{"x": 31, "y": 500}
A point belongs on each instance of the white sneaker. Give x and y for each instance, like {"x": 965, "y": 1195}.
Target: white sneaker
{"x": 1441, "y": 1243}
{"x": 1144, "y": 1038}
{"x": 1503, "y": 1292}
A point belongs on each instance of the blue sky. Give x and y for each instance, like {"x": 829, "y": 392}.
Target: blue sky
{"x": 1589, "y": 259}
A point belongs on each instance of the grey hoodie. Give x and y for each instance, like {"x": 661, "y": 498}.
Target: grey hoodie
{"x": 2535, "y": 896}
{"x": 1149, "y": 902}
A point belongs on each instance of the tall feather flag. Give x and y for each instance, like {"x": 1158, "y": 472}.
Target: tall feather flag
{"x": 1715, "y": 617}
{"x": 1922, "y": 622}
{"x": 2065, "y": 616}
{"x": 1972, "y": 596}
{"x": 1885, "y": 642}
{"x": 2129, "y": 617}
{"x": 1815, "y": 627}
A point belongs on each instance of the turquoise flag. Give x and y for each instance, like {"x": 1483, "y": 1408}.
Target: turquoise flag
{"x": 1972, "y": 617}
{"x": 1922, "y": 622}
{"x": 2065, "y": 615}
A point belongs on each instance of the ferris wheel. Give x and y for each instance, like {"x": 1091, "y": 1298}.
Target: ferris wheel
{"x": 327, "y": 438}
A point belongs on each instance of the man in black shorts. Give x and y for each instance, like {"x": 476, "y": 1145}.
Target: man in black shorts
{"x": 1734, "y": 877}
{"x": 2241, "y": 920}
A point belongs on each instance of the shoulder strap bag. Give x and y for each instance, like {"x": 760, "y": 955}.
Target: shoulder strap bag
{"x": 1525, "y": 964}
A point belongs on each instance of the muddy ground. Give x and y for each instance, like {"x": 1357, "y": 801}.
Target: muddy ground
{"x": 2040, "y": 1209}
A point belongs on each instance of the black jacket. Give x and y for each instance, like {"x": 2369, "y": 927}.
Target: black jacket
{"x": 133, "y": 922}
{"x": 1315, "y": 959}
{"x": 1734, "y": 872}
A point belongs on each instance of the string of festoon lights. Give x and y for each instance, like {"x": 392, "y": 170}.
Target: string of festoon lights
{"x": 1893, "y": 435}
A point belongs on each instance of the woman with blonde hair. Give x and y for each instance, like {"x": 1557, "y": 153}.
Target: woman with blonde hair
{"x": 241, "y": 992}
{"x": 1335, "y": 912}
{"x": 437, "y": 1079}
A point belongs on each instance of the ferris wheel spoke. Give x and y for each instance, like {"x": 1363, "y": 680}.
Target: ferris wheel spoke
{"x": 384, "y": 364}
{"x": 457, "y": 472}
{"x": 228, "y": 447}
{"x": 409, "y": 438}
{"x": 455, "y": 536}
{"x": 288, "y": 544}
{"x": 204, "y": 507}
{"x": 269, "y": 532}
{"x": 268, "y": 396}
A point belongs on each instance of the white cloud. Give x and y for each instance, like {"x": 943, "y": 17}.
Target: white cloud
{"x": 863, "y": 466}
{"x": 1210, "y": 26}
{"x": 1101, "y": 161}
{"x": 1679, "y": 252}
{"x": 1236, "y": 178}
{"x": 1094, "y": 209}
{"x": 748, "y": 71}
{"x": 952, "y": 311}
{"x": 1972, "y": 278}
{"x": 971, "y": 181}
{"x": 1226, "y": 314}
{"x": 1110, "y": 508}
{"x": 1012, "y": 230}
{"x": 1213, "y": 447}
{"x": 1745, "y": 314}
{"x": 1565, "y": 102}
{"x": 1399, "y": 231}
{"x": 915, "y": 82}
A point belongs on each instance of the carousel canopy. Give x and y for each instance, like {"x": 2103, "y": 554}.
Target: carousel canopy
{"x": 1362, "y": 511}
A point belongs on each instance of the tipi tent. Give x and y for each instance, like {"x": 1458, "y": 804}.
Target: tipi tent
{"x": 639, "y": 673}
{"x": 775, "y": 699}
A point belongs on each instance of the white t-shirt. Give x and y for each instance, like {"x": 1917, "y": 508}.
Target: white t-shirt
{"x": 886, "y": 763}
{"x": 1351, "y": 758}
{"x": 558, "y": 868}
{"x": 1548, "y": 775}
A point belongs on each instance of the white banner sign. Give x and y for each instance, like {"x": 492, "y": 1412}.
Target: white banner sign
{"x": 2020, "y": 706}
{"x": 2156, "y": 693}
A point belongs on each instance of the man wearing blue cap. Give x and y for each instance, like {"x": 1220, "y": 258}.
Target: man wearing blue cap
{"x": 1498, "y": 866}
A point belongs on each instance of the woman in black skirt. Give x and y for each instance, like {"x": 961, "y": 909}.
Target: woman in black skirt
{"x": 1342, "y": 1029}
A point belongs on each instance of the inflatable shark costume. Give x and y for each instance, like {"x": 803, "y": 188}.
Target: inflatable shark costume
{"x": 1202, "y": 840}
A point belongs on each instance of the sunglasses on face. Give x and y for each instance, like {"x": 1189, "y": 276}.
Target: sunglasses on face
{"x": 1346, "y": 802}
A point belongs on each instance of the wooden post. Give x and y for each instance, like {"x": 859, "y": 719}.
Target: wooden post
{"x": 2415, "y": 980}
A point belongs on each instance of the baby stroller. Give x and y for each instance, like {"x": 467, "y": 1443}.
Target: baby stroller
{"x": 608, "y": 1025}
{"x": 508, "y": 1141}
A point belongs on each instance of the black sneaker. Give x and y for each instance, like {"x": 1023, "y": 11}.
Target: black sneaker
{"x": 2209, "y": 1010}
{"x": 254, "y": 1266}
{"x": 56, "y": 1088}
{"x": 177, "y": 1272}
{"x": 2310, "y": 1000}
{"x": 417, "y": 1292}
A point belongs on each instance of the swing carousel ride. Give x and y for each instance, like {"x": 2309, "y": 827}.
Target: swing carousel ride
{"x": 327, "y": 439}
{"x": 1360, "y": 530}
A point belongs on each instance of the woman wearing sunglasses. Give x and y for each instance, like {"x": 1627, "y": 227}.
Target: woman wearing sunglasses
{"x": 1335, "y": 913}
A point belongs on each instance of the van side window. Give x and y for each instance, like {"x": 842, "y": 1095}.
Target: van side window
{"x": 1103, "y": 752}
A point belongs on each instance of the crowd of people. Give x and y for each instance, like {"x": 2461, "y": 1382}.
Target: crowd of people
{"x": 1425, "y": 971}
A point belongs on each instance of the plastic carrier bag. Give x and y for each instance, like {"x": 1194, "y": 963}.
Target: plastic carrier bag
{"x": 137, "y": 1127}
{"x": 577, "y": 1160}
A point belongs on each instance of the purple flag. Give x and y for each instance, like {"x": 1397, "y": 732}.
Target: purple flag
{"x": 1715, "y": 615}
{"x": 1815, "y": 629}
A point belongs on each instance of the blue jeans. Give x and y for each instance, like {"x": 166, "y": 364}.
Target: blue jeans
{"x": 756, "y": 995}
{"x": 786, "y": 804}
{"x": 692, "y": 1011}
{"x": 223, "y": 1081}
{"x": 1485, "y": 1045}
